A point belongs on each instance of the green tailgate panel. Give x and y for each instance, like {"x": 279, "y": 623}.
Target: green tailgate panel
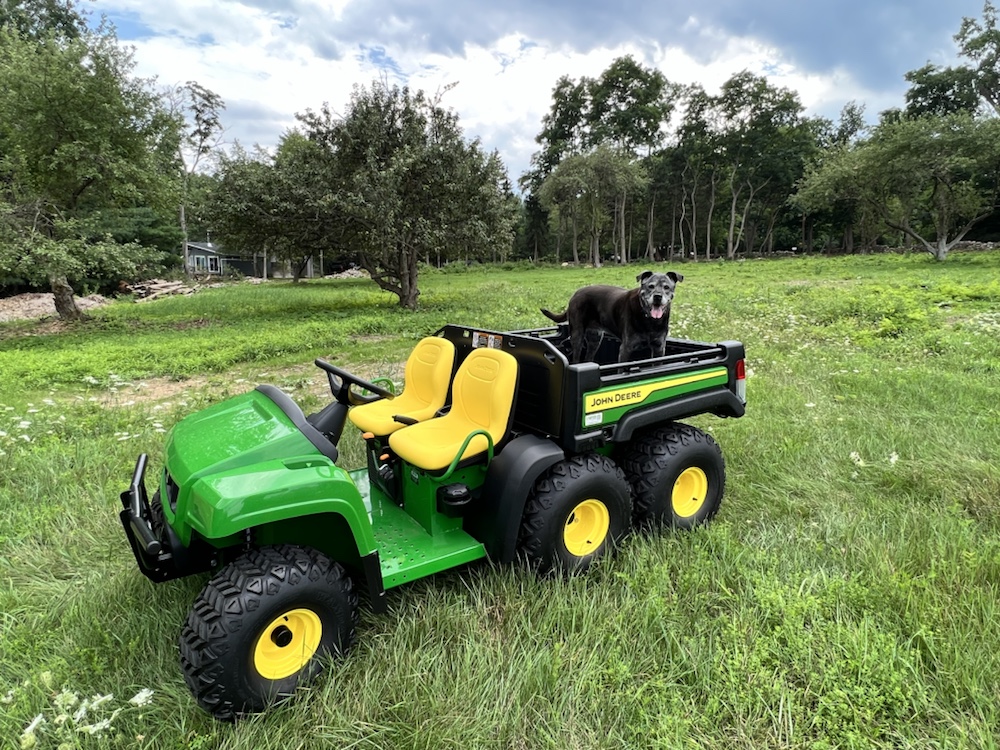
{"x": 608, "y": 405}
{"x": 406, "y": 551}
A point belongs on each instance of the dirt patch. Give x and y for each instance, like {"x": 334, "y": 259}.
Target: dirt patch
{"x": 41, "y": 305}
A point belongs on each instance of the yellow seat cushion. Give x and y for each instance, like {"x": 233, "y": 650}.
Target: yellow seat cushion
{"x": 482, "y": 398}
{"x": 425, "y": 389}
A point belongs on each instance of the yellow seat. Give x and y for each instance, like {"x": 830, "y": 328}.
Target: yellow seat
{"x": 482, "y": 399}
{"x": 425, "y": 389}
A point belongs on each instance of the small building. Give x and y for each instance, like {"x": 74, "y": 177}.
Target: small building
{"x": 211, "y": 258}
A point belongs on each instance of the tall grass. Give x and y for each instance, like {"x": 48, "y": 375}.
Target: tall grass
{"x": 845, "y": 596}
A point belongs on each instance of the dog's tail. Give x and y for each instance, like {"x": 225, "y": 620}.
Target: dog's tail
{"x": 557, "y": 317}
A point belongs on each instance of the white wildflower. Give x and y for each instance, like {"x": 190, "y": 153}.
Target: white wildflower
{"x": 28, "y": 738}
{"x": 100, "y": 700}
{"x": 142, "y": 698}
{"x": 856, "y": 458}
{"x": 66, "y": 700}
{"x": 93, "y": 729}
{"x": 893, "y": 458}
{"x": 810, "y": 405}
{"x": 23, "y": 424}
{"x": 9, "y": 698}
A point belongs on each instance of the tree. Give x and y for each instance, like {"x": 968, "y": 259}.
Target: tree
{"x": 759, "y": 134}
{"x": 37, "y": 19}
{"x": 932, "y": 178}
{"x": 629, "y": 106}
{"x": 198, "y": 111}
{"x": 979, "y": 42}
{"x": 409, "y": 185}
{"x": 588, "y": 186}
{"x": 941, "y": 91}
{"x": 80, "y": 136}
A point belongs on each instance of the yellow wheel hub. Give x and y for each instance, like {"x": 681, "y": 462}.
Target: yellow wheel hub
{"x": 690, "y": 491}
{"x": 287, "y": 644}
{"x": 586, "y": 528}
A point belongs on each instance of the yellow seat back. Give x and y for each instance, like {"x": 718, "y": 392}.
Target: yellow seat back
{"x": 482, "y": 398}
{"x": 425, "y": 389}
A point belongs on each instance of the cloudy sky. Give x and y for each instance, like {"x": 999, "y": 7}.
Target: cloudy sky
{"x": 269, "y": 59}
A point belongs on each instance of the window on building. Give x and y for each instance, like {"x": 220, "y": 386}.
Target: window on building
{"x": 213, "y": 263}
{"x": 199, "y": 263}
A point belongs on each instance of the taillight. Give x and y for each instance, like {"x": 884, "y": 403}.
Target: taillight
{"x": 741, "y": 380}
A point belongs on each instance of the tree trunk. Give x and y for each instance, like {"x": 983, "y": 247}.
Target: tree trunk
{"x": 184, "y": 226}
{"x": 595, "y": 247}
{"x": 694, "y": 228}
{"x": 708, "y": 220}
{"x": 623, "y": 250}
{"x": 408, "y": 280}
{"x": 62, "y": 294}
{"x": 731, "y": 235}
{"x": 576, "y": 241}
{"x": 650, "y": 246}
{"x": 673, "y": 232}
{"x": 680, "y": 224}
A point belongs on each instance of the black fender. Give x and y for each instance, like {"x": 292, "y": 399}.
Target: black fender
{"x": 495, "y": 517}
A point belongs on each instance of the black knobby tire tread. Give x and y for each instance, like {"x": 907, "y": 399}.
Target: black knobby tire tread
{"x": 650, "y": 454}
{"x": 545, "y": 496}
{"x": 241, "y": 587}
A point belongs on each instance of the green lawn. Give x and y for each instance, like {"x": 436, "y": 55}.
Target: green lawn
{"x": 847, "y": 595}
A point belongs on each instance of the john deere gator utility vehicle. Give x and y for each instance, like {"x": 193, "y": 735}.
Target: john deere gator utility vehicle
{"x": 495, "y": 448}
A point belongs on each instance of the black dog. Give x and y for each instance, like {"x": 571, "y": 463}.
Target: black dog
{"x": 639, "y": 317}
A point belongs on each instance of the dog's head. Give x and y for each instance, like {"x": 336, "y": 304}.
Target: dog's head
{"x": 656, "y": 291}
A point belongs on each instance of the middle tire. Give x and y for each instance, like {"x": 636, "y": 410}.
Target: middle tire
{"x": 576, "y": 512}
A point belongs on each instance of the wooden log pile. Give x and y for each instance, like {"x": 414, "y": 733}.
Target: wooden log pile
{"x": 145, "y": 291}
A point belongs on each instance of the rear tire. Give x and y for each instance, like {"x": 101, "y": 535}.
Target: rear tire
{"x": 576, "y": 512}
{"x": 678, "y": 477}
{"x": 262, "y": 626}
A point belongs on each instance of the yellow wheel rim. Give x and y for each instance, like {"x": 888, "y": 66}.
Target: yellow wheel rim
{"x": 586, "y": 528}
{"x": 690, "y": 491}
{"x": 287, "y": 644}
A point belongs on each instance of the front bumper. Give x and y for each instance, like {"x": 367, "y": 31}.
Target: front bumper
{"x": 157, "y": 549}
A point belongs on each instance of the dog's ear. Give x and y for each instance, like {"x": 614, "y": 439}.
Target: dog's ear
{"x": 675, "y": 277}
{"x": 643, "y": 276}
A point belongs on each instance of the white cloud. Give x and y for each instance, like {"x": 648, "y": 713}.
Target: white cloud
{"x": 266, "y": 67}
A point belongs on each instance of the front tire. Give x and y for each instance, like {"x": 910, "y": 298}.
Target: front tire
{"x": 678, "y": 477}
{"x": 576, "y": 512}
{"x": 262, "y": 626}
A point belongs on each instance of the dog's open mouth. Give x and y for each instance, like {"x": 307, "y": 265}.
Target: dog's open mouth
{"x": 656, "y": 312}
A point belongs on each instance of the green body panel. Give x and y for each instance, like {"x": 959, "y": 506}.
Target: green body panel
{"x": 242, "y": 464}
{"x": 408, "y": 550}
{"x": 608, "y": 405}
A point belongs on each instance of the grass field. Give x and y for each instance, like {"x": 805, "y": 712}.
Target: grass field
{"x": 847, "y": 595}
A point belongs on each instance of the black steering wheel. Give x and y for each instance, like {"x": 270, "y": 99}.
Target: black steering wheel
{"x": 342, "y": 380}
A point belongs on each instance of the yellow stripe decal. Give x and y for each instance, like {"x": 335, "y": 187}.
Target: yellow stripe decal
{"x": 636, "y": 394}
